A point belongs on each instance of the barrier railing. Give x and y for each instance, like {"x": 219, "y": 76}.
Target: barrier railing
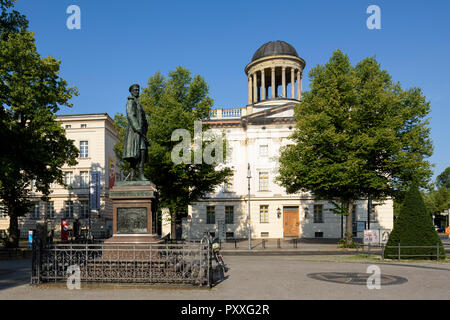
{"x": 428, "y": 252}
{"x": 187, "y": 263}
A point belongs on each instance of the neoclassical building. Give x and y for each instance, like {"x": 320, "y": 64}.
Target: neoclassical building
{"x": 95, "y": 136}
{"x": 255, "y": 133}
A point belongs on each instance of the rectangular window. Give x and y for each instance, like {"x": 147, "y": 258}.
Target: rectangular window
{"x": 50, "y": 213}
{"x": 83, "y": 126}
{"x": 68, "y": 126}
{"x": 318, "y": 235}
{"x": 229, "y": 215}
{"x": 68, "y": 178}
{"x": 264, "y": 234}
{"x": 35, "y": 214}
{"x": 318, "y": 213}
{"x": 210, "y": 215}
{"x": 264, "y": 150}
{"x": 84, "y": 183}
{"x": 263, "y": 181}
{"x": 68, "y": 209}
{"x": 264, "y": 214}
{"x": 84, "y": 209}
{"x": 84, "y": 149}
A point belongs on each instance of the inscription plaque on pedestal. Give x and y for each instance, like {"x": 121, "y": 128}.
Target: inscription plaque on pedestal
{"x": 132, "y": 221}
{"x": 134, "y": 213}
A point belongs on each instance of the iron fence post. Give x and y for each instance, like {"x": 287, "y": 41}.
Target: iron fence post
{"x": 399, "y": 251}
{"x": 437, "y": 252}
{"x": 210, "y": 271}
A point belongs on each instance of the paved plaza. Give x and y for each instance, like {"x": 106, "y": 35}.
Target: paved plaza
{"x": 259, "y": 277}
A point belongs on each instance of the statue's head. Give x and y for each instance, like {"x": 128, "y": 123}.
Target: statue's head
{"x": 134, "y": 90}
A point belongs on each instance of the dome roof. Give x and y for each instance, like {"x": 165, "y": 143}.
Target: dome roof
{"x": 275, "y": 48}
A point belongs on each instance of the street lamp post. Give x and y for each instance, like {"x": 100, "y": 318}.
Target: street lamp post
{"x": 249, "y": 176}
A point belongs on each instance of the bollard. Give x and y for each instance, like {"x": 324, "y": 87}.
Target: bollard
{"x": 278, "y": 243}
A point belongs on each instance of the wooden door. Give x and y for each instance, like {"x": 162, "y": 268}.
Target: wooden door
{"x": 291, "y": 221}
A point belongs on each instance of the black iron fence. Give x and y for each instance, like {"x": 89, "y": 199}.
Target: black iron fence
{"x": 188, "y": 263}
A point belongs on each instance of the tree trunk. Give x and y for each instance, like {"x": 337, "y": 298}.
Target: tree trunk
{"x": 349, "y": 223}
{"x": 14, "y": 232}
{"x": 173, "y": 227}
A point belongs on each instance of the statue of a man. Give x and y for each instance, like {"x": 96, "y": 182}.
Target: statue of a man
{"x": 135, "y": 143}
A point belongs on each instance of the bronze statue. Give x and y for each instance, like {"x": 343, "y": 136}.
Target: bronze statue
{"x": 135, "y": 144}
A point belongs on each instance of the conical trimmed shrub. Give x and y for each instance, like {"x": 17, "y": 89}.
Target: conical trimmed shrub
{"x": 414, "y": 227}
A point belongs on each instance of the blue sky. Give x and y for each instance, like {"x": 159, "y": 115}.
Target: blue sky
{"x": 123, "y": 42}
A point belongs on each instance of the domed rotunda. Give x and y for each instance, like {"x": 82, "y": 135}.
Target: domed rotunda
{"x": 275, "y": 64}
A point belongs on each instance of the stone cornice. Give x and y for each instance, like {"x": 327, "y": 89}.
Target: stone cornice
{"x": 278, "y": 61}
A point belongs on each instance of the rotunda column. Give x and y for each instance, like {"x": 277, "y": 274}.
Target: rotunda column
{"x": 255, "y": 88}
{"x": 263, "y": 85}
{"x": 249, "y": 89}
{"x": 292, "y": 84}
{"x": 283, "y": 83}
{"x": 299, "y": 84}
{"x": 273, "y": 83}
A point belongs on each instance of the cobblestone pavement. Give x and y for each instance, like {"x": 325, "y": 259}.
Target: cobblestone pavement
{"x": 255, "y": 277}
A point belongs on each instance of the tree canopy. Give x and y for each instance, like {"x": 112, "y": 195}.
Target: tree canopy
{"x": 11, "y": 21}
{"x": 358, "y": 134}
{"x": 34, "y": 145}
{"x": 443, "y": 180}
{"x": 438, "y": 200}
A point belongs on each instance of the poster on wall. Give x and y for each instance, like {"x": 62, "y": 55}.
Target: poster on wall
{"x": 384, "y": 236}
{"x": 372, "y": 237}
{"x": 112, "y": 172}
{"x": 94, "y": 191}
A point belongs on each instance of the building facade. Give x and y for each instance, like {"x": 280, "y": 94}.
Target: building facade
{"x": 95, "y": 137}
{"x": 254, "y": 135}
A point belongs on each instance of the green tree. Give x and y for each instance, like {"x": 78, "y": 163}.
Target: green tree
{"x": 11, "y": 21}
{"x": 443, "y": 180}
{"x": 358, "y": 134}
{"x": 170, "y": 104}
{"x": 438, "y": 200}
{"x": 413, "y": 227}
{"x": 34, "y": 145}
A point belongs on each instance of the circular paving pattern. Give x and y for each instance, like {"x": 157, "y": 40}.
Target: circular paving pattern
{"x": 355, "y": 278}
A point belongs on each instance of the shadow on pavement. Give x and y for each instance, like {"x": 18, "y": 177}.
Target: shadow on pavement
{"x": 14, "y": 273}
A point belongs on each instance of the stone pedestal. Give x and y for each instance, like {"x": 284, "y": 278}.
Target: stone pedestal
{"x": 133, "y": 207}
